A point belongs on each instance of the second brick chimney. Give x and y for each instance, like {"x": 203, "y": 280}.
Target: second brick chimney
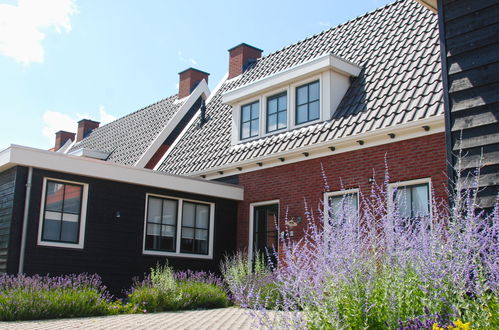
{"x": 85, "y": 127}
{"x": 61, "y": 138}
{"x": 240, "y": 57}
{"x": 189, "y": 79}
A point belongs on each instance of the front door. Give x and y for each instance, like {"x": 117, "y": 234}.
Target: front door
{"x": 265, "y": 234}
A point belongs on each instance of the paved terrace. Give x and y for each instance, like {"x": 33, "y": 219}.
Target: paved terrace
{"x": 223, "y": 318}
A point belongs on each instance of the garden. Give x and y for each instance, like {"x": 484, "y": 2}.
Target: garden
{"x": 372, "y": 269}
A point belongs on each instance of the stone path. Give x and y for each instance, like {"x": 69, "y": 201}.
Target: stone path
{"x": 223, "y": 318}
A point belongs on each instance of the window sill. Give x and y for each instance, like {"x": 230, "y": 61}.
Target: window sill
{"x": 178, "y": 255}
{"x": 61, "y": 245}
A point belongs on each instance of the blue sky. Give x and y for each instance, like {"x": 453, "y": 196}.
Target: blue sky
{"x": 64, "y": 60}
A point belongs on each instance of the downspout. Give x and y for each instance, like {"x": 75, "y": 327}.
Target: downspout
{"x": 25, "y": 221}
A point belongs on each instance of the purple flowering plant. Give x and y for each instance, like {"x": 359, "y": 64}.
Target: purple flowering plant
{"x": 376, "y": 269}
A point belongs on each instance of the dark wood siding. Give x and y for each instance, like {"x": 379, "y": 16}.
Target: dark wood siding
{"x": 7, "y": 190}
{"x": 113, "y": 246}
{"x": 470, "y": 54}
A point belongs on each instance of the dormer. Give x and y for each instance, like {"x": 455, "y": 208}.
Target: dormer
{"x": 299, "y": 96}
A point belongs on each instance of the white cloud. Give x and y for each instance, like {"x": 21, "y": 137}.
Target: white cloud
{"x": 21, "y": 26}
{"x": 189, "y": 60}
{"x": 54, "y": 121}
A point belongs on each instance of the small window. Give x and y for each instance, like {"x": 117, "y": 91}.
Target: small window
{"x": 249, "y": 120}
{"x": 277, "y": 112}
{"x": 342, "y": 205}
{"x": 195, "y": 228}
{"x": 307, "y": 103}
{"x": 412, "y": 201}
{"x": 63, "y": 214}
{"x": 161, "y": 226}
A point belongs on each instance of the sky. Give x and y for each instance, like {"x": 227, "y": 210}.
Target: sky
{"x": 65, "y": 60}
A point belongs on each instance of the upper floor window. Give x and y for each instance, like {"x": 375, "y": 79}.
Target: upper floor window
{"x": 341, "y": 205}
{"x": 62, "y": 214}
{"x": 412, "y": 198}
{"x": 178, "y": 227}
{"x": 307, "y": 102}
{"x": 250, "y": 120}
{"x": 277, "y": 112}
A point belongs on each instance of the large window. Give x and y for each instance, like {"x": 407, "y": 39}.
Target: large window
{"x": 277, "y": 108}
{"x": 195, "y": 228}
{"x": 307, "y": 102}
{"x": 341, "y": 205}
{"x": 62, "y": 213}
{"x": 250, "y": 120}
{"x": 161, "y": 226}
{"x": 412, "y": 200}
{"x": 178, "y": 227}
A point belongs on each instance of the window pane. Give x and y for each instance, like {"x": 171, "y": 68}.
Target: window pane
{"x": 313, "y": 110}
{"x": 51, "y": 230}
{"x": 202, "y": 234}
{"x": 55, "y": 196}
{"x": 255, "y": 109}
{"x": 70, "y": 217}
{"x": 169, "y": 212}
{"x": 245, "y": 116}
{"x": 201, "y": 246}
{"x": 302, "y": 95}
{"x": 283, "y": 102}
{"x": 187, "y": 233}
{"x": 254, "y": 127}
{"x": 272, "y": 106}
{"x": 301, "y": 114}
{"x": 69, "y": 232}
{"x": 420, "y": 201}
{"x": 282, "y": 120}
{"x": 245, "y": 130}
{"x": 187, "y": 245}
{"x": 53, "y": 215}
{"x": 272, "y": 123}
{"x": 403, "y": 201}
{"x": 202, "y": 216}
{"x": 72, "y": 198}
{"x": 168, "y": 231}
{"x": 343, "y": 206}
{"x": 188, "y": 215}
{"x": 154, "y": 210}
{"x": 153, "y": 229}
{"x": 313, "y": 91}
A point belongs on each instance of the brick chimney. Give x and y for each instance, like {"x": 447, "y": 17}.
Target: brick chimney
{"x": 61, "y": 138}
{"x": 189, "y": 79}
{"x": 85, "y": 127}
{"x": 240, "y": 57}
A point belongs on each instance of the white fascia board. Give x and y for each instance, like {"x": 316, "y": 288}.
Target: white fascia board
{"x": 52, "y": 161}
{"x": 85, "y": 152}
{"x": 201, "y": 89}
{"x": 66, "y": 146}
{"x": 191, "y": 122}
{"x": 378, "y": 137}
{"x": 318, "y": 64}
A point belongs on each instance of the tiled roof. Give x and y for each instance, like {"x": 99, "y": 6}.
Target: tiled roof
{"x": 398, "y": 48}
{"x": 127, "y": 138}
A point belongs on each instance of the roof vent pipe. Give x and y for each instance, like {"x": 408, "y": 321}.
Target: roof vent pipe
{"x": 203, "y": 113}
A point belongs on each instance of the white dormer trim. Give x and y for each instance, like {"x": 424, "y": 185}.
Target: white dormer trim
{"x": 65, "y": 148}
{"x": 85, "y": 152}
{"x": 314, "y": 66}
{"x": 201, "y": 89}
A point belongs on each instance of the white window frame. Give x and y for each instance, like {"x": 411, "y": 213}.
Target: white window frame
{"x": 178, "y": 238}
{"x": 251, "y": 223}
{"x": 323, "y": 78}
{"x": 392, "y": 186}
{"x": 83, "y": 216}
{"x": 339, "y": 193}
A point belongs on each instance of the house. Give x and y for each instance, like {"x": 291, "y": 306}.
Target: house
{"x": 204, "y": 172}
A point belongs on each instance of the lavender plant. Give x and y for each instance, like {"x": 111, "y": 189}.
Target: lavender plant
{"x": 377, "y": 269}
{"x": 41, "y": 297}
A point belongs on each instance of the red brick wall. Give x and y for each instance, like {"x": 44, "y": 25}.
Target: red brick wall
{"x": 407, "y": 160}
{"x": 157, "y": 156}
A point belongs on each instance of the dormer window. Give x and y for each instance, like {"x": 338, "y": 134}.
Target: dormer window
{"x": 250, "y": 120}
{"x": 307, "y": 103}
{"x": 277, "y": 112}
{"x": 301, "y": 95}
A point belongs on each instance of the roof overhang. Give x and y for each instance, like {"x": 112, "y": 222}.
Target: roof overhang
{"x": 430, "y": 4}
{"x": 316, "y": 65}
{"x": 24, "y": 156}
